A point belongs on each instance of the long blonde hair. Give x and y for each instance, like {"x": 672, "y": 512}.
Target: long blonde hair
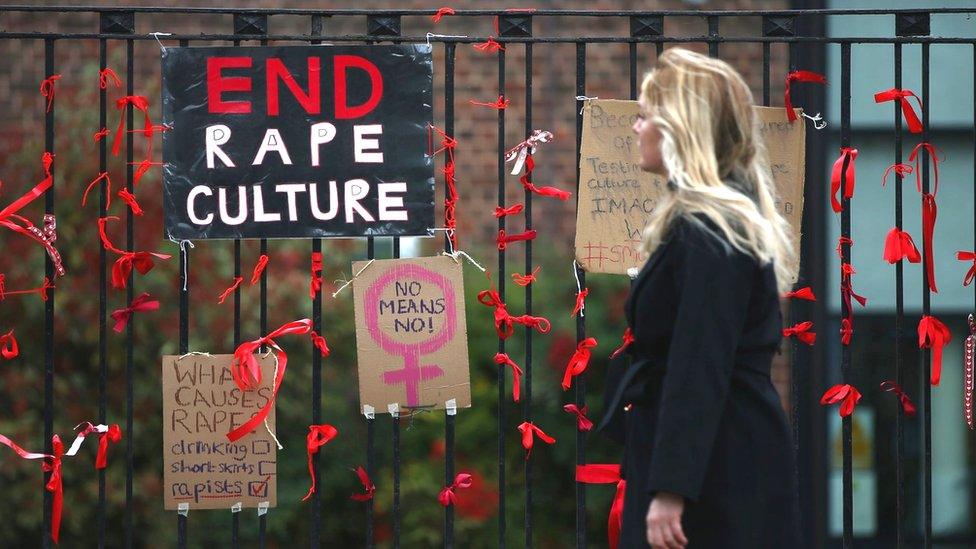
{"x": 716, "y": 162}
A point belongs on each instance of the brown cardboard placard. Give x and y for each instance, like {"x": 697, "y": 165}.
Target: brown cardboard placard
{"x": 201, "y": 403}
{"x": 616, "y": 197}
{"x": 411, "y": 336}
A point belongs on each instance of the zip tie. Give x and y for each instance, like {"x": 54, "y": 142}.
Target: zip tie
{"x": 183, "y": 509}
{"x": 461, "y": 253}
{"x": 432, "y": 35}
{"x": 451, "y": 407}
{"x": 394, "y": 409}
{"x": 579, "y": 287}
{"x": 236, "y": 508}
{"x": 198, "y": 353}
{"x": 263, "y": 508}
{"x": 183, "y": 244}
{"x": 369, "y": 411}
{"x": 818, "y": 121}
{"x": 156, "y": 35}
{"x": 584, "y": 98}
{"x": 632, "y": 272}
{"x": 348, "y": 282}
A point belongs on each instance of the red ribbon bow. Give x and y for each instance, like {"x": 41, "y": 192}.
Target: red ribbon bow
{"x": 47, "y": 89}
{"x": 320, "y": 344}
{"x": 107, "y": 74}
{"x": 137, "y": 102}
{"x": 247, "y": 372}
{"x": 554, "y": 192}
{"x": 318, "y": 436}
{"x": 805, "y": 293}
{"x": 846, "y": 331}
{"x": 899, "y": 245}
{"x": 447, "y": 495}
{"x": 843, "y": 165}
{"x": 500, "y": 104}
{"x": 605, "y": 473}
{"x": 578, "y": 362}
{"x": 971, "y": 273}
{"x": 799, "y": 76}
{"x": 583, "y": 423}
{"x": 502, "y": 359}
{"x": 100, "y": 134}
{"x": 846, "y": 393}
{"x": 802, "y": 332}
{"x": 369, "y": 489}
{"x": 894, "y": 94}
{"x": 230, "y": 289}
{"x": 525, "y": 279}
{"x": 503, "y": 320}
{"x": 113, "y": 434}
{"x": 511, "y": 210}
{"x": 441, "y": 13}
{"x": 933, "y": 334}
{"x": 504, "y": 239}
{"x": 580, "y": 298}
{"x": 143, "y": 303}
{"x": 489, "y": 46}
{"x": 54, "y": 485}
{"x": 258, "y": 269}
{"x": 142, "y": 261}
{"x": 8, "y": 346}
{"x": 315, "y": 281}
{"x": 529, "y": 430}
{"x": 130, "y": 200}
{"x": 906, "y": 403}
{"x": 627, "y": 338}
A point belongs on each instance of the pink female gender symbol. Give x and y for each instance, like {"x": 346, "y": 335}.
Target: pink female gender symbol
{"x": 412, "y": 372}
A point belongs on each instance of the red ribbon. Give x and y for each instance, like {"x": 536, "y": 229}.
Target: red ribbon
{"x": 802, "y": 332}
{"x": 54, "y": 485}
{"x": 105, "y": 75}
{"x": 899, "y": 245}
{"x": 503, "y": 320}
{"x": 799, "y": 76}
{"x": 130, "y": 200}
{"x": 441, "y": 13}
{"x": 846, "y": 331}
{"x": 628, "y": 338}
{"x": 113, "y": 435}
{"x": 605, "y": 473}
{"x": 247, "y": 372}
{"x": 137, "y": 102}
{"x": 846, "y": 393}
{"x": 19, "y": 224}
{"x": 108, "y": 188}
{"x": 319, "y": 342}
{"x": 933, "y": 334}
{"x": 318, "y": 436}
{"x": 97, "y": 136}
{"x": 448, "y": 144}
{"x": 580, "y": 298}
{"x": 143, "y": 303}
{"x": 844, "y": 164}
{"x": 122, "y": 269}
{"x": 500, "y": 104}
{"x": 906, "y": 403}
{"x": 525, "y": 279}
{"x": 315, "y": 281}
{"x": 258, "y": 269}
{"x": 583, "y": 423}
{"x": 143, "y": 168}
{"x": 971, "y": 273}
{"x": 504, "y": 239}
{"x": 901, "y": 170}
{"x": 42, "y": 290}
{"x": 929, "y": 213}
{"x": 539, "y": 323}
{"x": 447, "y": 495}
{"x": 917, "y": 159}
{"x": 841, "y": 242}
{"x": 511, "y": 210}
{"x": 230, "y": 289}
{"x": 489, "y": 46}
{"x": 369, "y": 488}
{"x": 542, "y": 191}
{"x": 578, "y": 362}
{"x": 805, "y": 293}
{"x": 8, "y": 346}
{"x": 894, "y": 94}
{"x": 529, "y": 431}
{"x": 47, "y": 89}
{"x": 502, "y": 359}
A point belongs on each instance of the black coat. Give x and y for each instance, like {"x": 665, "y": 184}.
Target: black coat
{"x": 704, "y": 420}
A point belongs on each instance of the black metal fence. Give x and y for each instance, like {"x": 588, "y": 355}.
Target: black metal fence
{"x": 802, "y": 31}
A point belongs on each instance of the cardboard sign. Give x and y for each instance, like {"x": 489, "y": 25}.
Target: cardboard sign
{"x": 411, "y": 337}
{"x": 616, "y": 197}
{"x": 297, "y": 141}
{"x": 201, "y": 403}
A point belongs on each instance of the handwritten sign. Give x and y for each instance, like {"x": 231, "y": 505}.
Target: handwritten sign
{"x": 201, "y": 403}
{"x": 616, "y": 197}
{"x": 411, "y": 336}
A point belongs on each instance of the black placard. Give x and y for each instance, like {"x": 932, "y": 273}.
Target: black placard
{"x": 316, "y": 141}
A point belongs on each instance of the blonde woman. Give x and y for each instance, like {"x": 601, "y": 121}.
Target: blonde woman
{"x": 708, "y": 458}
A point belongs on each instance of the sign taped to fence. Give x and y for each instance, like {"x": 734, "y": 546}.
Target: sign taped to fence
{"x": 411, "y": 336}
{"x": 616, "y": 197}
{"x": 297, "y": 141}
{"x": 201, "y": 402}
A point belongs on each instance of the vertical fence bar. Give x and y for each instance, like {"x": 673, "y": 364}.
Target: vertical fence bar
{"x": 449, "y": 418}
{"x": 899, "y": 322}
{"x": 102, "y": 291}
{"x": 527, "y": 414}
{"x": 500, "y": 282}
{"x": 713, "y": 35}
{"x": 845, "y": 231}
{"x": 926, "y": 310}
{"x": 49, "y": 304}
{"x": 580, "y": 319}
{"x": 315, "y": 510}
